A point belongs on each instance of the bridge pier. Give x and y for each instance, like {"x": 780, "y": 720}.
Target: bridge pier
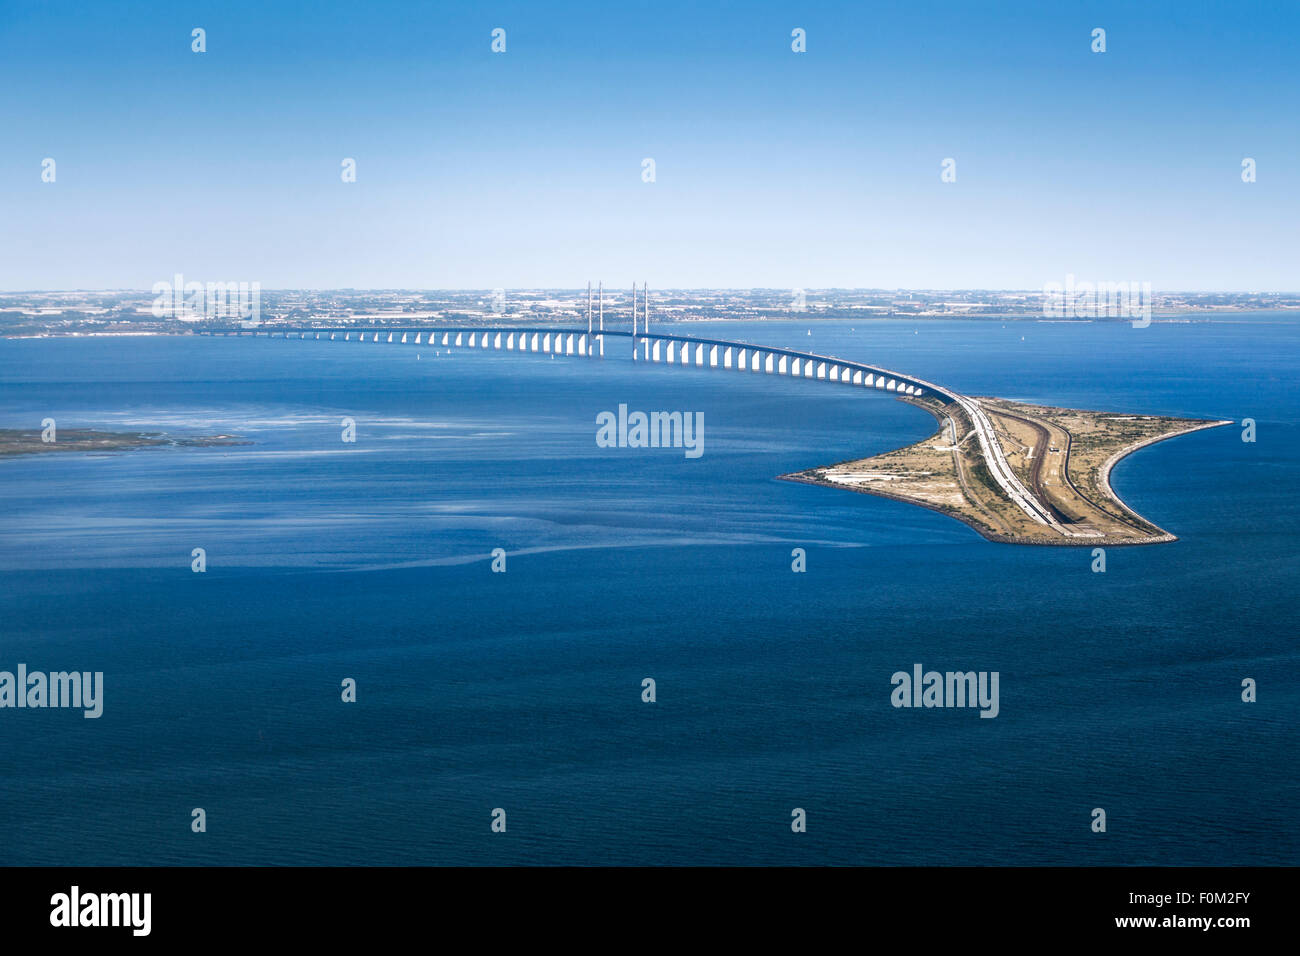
{"x": 713, "y": 356}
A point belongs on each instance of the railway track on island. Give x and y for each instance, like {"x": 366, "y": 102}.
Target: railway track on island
{"x": 1036, "y": 472}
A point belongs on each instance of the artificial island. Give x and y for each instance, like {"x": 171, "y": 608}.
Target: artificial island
{"x": 1015, "y": 472}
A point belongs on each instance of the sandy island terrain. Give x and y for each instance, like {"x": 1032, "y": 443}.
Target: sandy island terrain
{"x": 14, "y": 442}
{"x": 1063, "y": 456}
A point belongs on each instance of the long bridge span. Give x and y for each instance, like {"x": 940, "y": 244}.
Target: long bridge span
{"x": 690, "y": 351}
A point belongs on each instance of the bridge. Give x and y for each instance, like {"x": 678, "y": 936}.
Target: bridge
{"x": 691, "y": 351}
{"x": 650, "y": 347}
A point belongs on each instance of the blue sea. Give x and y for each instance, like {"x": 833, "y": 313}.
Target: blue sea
{"x": 522, "y": 690}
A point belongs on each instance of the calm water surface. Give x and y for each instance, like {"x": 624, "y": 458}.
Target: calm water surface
{"x": 522, "y": 690}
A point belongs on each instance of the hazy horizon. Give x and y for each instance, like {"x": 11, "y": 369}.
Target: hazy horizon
{"x": 615, "y": 289}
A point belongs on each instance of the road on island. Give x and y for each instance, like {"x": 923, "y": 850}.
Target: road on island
{"x": 1036, "y": 483}
{"x": 1000, "y": 468}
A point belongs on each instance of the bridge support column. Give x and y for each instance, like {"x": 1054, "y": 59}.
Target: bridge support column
{"x": 742, "y": 359}
{"x": 496, "y": 341}
{"x": 699, "y": 354}
{"x": 726, "y": 357}
{"x": 713, "y": 356}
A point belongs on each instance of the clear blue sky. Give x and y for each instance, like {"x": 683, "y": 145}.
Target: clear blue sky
{"x": 774, "y": 169}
